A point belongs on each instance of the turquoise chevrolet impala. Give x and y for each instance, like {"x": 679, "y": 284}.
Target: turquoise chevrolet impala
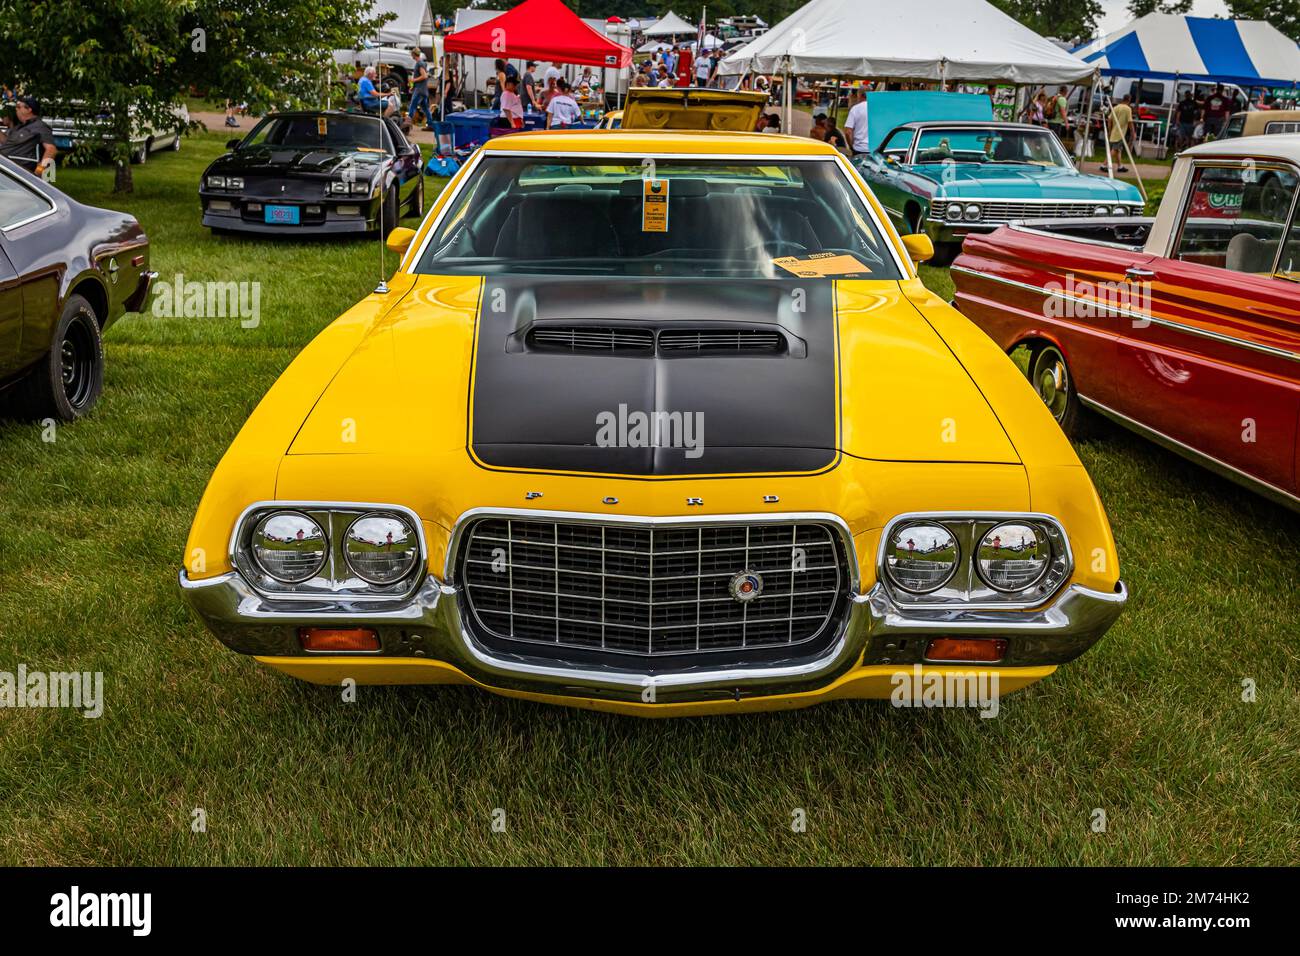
{"x": 949, "y": 177}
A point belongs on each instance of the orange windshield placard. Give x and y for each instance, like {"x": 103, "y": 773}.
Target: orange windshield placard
{"x": 654, "y": 206}
{"x": 823, "y": 265}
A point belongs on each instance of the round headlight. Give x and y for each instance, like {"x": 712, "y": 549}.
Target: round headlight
{"x": 922, "y": 557}
{"x": 381, "y": 549}
{"x": 1119, "y": 210}
{"x": 973, "y": 212}
{"x": 1100, "y": 211}
{"x": 289, "y": 546}
{"x": 954, "y": 211}
{"x": 1013, "y": 557}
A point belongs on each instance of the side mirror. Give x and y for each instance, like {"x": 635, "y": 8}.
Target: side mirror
{"x": 399, "y": 240}
{"x": 919, "y": 247}
{"x": 233, "y": 143}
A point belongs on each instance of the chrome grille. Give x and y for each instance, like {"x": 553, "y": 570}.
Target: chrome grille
{"x": 998, "y": 212}
{"x": 650, "y": 589}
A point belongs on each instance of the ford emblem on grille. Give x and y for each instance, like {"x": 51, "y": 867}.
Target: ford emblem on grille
{"x": 746, "y": 586}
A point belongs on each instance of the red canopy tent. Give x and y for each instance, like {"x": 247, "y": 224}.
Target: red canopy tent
{"x": 539, "y": 30}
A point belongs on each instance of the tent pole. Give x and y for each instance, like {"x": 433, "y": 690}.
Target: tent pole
{"x": 1087, "y": 123}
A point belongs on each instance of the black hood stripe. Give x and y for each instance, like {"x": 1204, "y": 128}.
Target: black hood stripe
{"x": 590, "y": 412}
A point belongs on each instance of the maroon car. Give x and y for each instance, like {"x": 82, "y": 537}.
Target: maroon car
{"x": 67, "y": 272}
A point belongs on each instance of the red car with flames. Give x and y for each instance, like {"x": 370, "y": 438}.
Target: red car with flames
{"x": 1184, "y": 327}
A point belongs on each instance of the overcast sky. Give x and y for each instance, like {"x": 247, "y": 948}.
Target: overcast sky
{"x": 1117, "y": 12}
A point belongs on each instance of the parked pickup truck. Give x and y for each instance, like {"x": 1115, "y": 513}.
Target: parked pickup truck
{"x": 1184, "y": 327}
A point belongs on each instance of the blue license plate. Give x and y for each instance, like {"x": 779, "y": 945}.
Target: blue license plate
{"x": 282, "y": 215}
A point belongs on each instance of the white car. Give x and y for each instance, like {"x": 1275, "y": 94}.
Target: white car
{"x": 69, "y": 133}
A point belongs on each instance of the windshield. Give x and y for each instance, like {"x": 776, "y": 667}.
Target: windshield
{"x": 745, "y": 218}
{"x": 316, "y": 132}
{"x": 992, "y": 145}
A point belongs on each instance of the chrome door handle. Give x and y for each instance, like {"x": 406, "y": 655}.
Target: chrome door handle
{"x": 1136, "y": 272}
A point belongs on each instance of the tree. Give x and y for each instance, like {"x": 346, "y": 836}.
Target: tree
{"x": 1063, "y": 19}
{"x": 132, "y": 61}
{"x": 1283, "y": 14}
{"x": 1140, "y": 8}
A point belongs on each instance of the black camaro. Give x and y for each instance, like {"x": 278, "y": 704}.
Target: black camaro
{"x": 67, "y": 272}
{"x": 314, "y": 173}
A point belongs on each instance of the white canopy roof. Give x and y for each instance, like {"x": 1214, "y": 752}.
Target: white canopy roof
{"x": 404, "y": 31}
{"x": 670, "y": 25}
{"x": 919, "y": 40}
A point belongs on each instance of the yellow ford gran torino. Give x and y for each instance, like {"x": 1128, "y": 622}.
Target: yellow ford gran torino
{"x": 656, "y": 422}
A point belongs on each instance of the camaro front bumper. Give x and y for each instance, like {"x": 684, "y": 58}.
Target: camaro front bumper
{"x": 423, "y": 641}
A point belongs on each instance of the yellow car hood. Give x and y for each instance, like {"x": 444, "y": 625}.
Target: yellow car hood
{"x": 406, "y": 392}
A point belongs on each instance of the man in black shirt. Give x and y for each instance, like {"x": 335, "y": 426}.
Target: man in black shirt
{"x": 30, "y": 142}
{"x": 1187, "y": 114}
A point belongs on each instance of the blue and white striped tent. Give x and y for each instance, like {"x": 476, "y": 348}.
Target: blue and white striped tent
{"x": 1167, "y": 46}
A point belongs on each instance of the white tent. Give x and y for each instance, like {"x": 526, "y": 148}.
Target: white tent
{"x": 404, "y": 31}
{"x": 967, "y": 40}
{"x": 670, "y": 25}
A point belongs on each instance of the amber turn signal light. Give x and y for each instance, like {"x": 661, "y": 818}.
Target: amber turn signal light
{"x": 984, "y": 649}
{"x": 338, "y": 639}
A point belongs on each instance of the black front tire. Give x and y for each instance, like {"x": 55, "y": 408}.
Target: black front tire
{"x": 944, "y": 253}
{"x": 67, "y": 382}
{"x": 392, "y": 209}
{"x": 417, "y": 200}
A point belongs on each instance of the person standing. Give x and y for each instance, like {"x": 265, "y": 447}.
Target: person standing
{"x": 1186, "y": 115}
{"x": 1121, "y": 118}
{"x": 855, "y": 127}
{"x": 1217, "y": 109}
{"x": 562, "y": 112}
{"x": 419, "y": 86}
{"x": 30, "y": 142}
{"x": 512, "y": 107}
{"x": 1059, "y": 118}
{"x": 703, "y": 69}
{"x": 528, "y": 93}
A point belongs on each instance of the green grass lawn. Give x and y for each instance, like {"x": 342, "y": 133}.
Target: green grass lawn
{"x": 1149, "y": 726}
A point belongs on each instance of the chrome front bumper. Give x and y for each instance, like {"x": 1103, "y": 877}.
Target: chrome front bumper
{"x": 428, "y": 626}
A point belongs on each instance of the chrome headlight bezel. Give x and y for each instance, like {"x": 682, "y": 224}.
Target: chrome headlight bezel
{"x": 891, "y": 563}
{"x": 966, "y": 588}
{"x": 335, "y": 577}
{"x": 954, "y": 211}
{"x": 986, "y": 575}
{"x": 257, "y": 549}
{"x": 353, "y": 536}
{"x": 973, "y": 212}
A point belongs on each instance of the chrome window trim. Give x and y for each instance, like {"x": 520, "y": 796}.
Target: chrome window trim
{"x": 886, "y": 229}
{"x": 1196, "y": 164}
{"x": 363, "y": 508}
{"x": 1138, "y": 316}
{"x": 1216, "y": 465}
{"x": 922, "y": 602}
{"x": 1019, "y": 226}
{"x": 22, "y": 184}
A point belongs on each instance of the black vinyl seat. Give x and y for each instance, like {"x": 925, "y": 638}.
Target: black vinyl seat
{"x": 553, "y": 226}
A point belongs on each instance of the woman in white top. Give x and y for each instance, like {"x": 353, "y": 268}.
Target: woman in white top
{"x": 562, "y": 111}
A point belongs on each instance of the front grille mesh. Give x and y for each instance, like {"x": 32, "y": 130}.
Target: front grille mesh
{"x": 1003, "y": 212}
{"x": 649, "y": 590}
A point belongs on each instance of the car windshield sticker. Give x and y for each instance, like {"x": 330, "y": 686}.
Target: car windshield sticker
{"x": 823, "y": 265}
{"x": 322, "y": 126}
{"x": 654, "y": 207}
